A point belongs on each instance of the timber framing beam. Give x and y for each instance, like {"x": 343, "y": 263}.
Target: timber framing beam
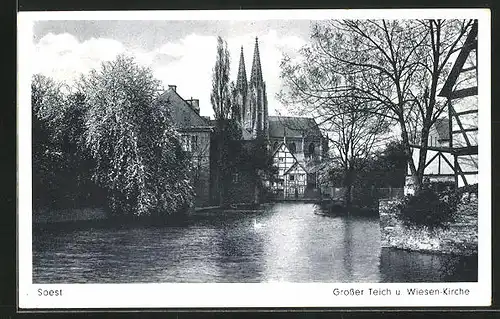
{"x": 463, "y": 93}
{"x": 472, "y": 129}
{"x": 433, "y": 158}
{"x": 466, "y": 112}
{"x": 469, "y": 150}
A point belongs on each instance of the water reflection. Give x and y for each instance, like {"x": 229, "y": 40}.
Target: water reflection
{"x": 285, "y": 243}
{"x": 404, "y": 266}
{"x": 239, "y": 249}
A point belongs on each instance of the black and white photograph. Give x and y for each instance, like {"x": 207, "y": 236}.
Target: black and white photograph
{"x": 275, "y": 149}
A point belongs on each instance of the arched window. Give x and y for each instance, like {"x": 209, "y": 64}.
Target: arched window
{"x": 292, "y": 148}
{"x": 311, "y": 149}
{"x": 276, "y": 144}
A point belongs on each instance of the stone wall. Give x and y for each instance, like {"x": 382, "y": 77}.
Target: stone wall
{"x": 459, "y": 237}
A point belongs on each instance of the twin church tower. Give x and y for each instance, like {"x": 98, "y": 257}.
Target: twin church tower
{"x": 251, "y": 99}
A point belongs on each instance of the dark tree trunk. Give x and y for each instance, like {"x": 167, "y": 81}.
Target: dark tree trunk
{"x": 348, "y": 197}
{"x": 407, "y": 151}
{"x": 348, "y": 183}
{"x": 422, "y": 155}
{"x": 256, "y": 194}
{"x": 221, "y": 178}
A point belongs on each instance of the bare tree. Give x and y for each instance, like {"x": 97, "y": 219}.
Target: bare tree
{"x": 392, "y": 69}
{"x": 353, "y": 137}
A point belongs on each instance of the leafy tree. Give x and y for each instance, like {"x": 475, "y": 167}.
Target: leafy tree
{"x": 80, "y": 164}
{"x": 387, "y": 168}
{"x": 391, "y": 68}
{"x": 139, "y": 159}
{"x": 61, "y": 168}
{"x": 47, "y": 102}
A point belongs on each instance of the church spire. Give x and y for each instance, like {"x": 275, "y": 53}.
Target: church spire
{"x": 241, "y": 81}
{"x": 256, "y": 75}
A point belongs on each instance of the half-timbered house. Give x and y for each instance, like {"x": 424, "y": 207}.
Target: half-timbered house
{"x": 452, "y": 146}
{"x": 460, "y": 90}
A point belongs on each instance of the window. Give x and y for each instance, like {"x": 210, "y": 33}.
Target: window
{"x": 276, "y": 144}
{"x": 311, "y": 149}
{"x": 281, "y": 159}
{"x": 194, "y": 142}
{"x": 292, "y": 177}
{"x": 236, "y": 178}
{"x": 185, "y": 141}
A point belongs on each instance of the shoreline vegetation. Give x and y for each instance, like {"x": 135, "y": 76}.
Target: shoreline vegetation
{"x": 97, "y": 214}
{"x": 48, "y": 216}
{"x": 423, "y": 229}
{"x": 107, "y": 142}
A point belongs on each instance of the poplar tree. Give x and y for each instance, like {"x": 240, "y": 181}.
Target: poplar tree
{"x": 221, "y": 104}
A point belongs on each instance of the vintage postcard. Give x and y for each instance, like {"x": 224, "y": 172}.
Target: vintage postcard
{"x": 272, "y": 158}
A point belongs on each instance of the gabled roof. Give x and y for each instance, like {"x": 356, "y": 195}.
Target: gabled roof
{"x": 293, "y": 165}
{"x": 308, "y": 167}
{"x": 293, "y": 126}
{"x": 183, "y": 114}
{"x": 278, "y": 147}
{"x": 296, "y": 162}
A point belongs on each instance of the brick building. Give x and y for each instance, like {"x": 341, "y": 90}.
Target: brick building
{"x": 195, "y": 131}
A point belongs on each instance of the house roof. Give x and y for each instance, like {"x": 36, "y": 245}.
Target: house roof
{"x": 183, "y": 114}
{"x": 278, "y": 147}
{"x": 308, "y": 167}
{"x": 293, "y": 166}
{"x": 292, "y": 126}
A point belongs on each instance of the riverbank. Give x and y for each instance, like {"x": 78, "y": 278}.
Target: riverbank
{"x": 50, "y": 216}
{"x": 95, "y": 216}
{"x": 336, "y": 208}
{"x": 457, "y": 237}
{"x": 235, "y": 208}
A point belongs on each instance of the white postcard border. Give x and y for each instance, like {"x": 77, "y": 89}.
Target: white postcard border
{"x": 246, "y": 295}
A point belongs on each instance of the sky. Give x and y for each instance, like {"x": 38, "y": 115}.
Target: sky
{"x": 180, "y": 53}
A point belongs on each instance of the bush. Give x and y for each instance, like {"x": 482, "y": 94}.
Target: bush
{"x": 453, "y": 196}
{"x": 426, "y": 208}
{"x": 442, "y": 186}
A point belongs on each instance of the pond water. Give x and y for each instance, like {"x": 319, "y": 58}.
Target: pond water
{"x": 287, "y": 242}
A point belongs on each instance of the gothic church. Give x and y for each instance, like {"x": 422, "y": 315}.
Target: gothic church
{"x": 251, "y": 99}
{"x": 294, "y": 140}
